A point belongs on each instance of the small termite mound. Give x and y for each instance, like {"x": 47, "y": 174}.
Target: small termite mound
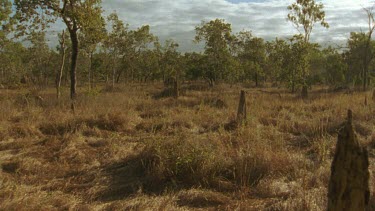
{"x": 241, "y": 114}
{"x": 349, "y": 183}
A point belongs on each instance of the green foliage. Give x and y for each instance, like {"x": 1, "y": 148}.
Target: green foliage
{"x": 194, "y": 65}
{"x": 124, "y": 53}
{"x": 278, "y": 52}
{"x": 295, "y": 64}
{"x": 251, "y": 52}
{"x": 358, "y": 50}
{"x": 13, "y": 59}
{"x": 5, "y": 21}
{"x": 78, "y": 15}
{"x": 305, "y": 13}
{"x": 336, "y": 68}
{"x": 217, "y": 36}
{"x": 170, "y": 61}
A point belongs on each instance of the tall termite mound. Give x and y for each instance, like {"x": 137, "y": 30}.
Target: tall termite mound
{"x": 349, "y": 183}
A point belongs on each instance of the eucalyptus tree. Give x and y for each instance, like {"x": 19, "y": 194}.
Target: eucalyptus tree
{"x": 89, "y": 43}
{"x": 77, "y": 15}
{"x": 217, "y": 37}
{"x": 39, "y": 57}
{"x": 298, "y": 62}
{"x": 170, "y": 60}
{"x": 335, "y": 66}
{"x": 368, "y": 53}
{"x": 141, "y": 43}
{"x": 305, "y": 14}
{"x": 359, "y": 57}
{"x": 252, "y": 54}
{"x": 114, "y": 40}
{"x": 194, "y": 65}
{"x": 278, "y": 54}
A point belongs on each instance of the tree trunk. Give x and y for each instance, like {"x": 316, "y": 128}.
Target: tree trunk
{"x": 211, "y": 82}
{"x": 90, "y": 70}
{"x": 365, "y": 78}
{"x": 113, "y": 77}
{"x": 176, "y": 92}
{"x": 2, "y": 76}
{"x": 60, "y": 73}
{"x": 241, "y": 112}
{"x": 93, "y": 83}
{"x": 304, "y": 93}
{"x": 293, "y": 87}
{"x": 119, "y": 76}
{"x": 73, "y": 68}
{"x": 176, "y": 85}
{"x": 293, "y": 82}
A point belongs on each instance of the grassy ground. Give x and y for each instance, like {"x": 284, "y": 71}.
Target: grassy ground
{"x": 131, "y": 149}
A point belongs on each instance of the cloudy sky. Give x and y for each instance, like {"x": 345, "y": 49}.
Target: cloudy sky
{"x": 176, "y": 19}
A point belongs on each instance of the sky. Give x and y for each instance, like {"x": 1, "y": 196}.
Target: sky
{"x": 176, "y": 19}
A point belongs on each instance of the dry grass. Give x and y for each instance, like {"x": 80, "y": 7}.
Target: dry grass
{"x": 126, "y": 149}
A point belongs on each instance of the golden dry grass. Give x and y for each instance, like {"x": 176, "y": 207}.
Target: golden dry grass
{"x": 129, "y": 150}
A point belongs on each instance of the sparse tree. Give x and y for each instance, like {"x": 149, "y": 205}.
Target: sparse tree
{"x": 335, "y": 66}
{"x": 252, "y": 54}
{"x": 89, "y": 43}
{"x": 359, "y": 48}
{"x": 39, "y": 57}
{"x": 368, "y": 53}
{"x": 114, "y": 41}
{"x": 78, "y": 15}
{"x": 305, "y": 14}
{"x": 217, "y": 36}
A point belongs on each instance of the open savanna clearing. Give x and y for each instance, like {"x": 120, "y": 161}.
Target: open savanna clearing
{"x": 133, "y": 149}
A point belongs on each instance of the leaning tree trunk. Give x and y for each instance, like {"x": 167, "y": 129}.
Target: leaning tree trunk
{"x": 60, "y": 73}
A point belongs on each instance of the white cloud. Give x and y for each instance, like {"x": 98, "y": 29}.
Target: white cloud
{"x": 177, "y": 18}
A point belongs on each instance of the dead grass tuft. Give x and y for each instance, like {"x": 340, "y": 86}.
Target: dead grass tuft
{"x": 125, "y": 150}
